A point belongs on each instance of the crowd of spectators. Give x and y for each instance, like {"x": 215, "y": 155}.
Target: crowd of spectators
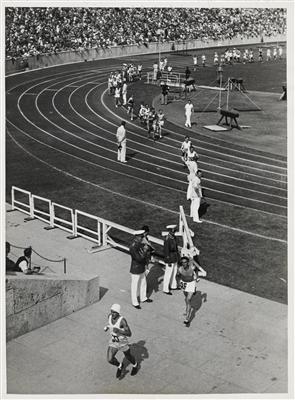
{"x": 34, "y": 30}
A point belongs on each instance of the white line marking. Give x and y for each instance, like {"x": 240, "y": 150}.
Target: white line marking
{"x": 138, "y": 178}
{"x": 89, "y": 152}
{"x": 138, "y": 200}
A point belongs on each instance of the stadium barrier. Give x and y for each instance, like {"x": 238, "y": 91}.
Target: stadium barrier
{"x": 86, "y": 232}
{"x": 59, "y": 221}
{"x": 26, "y": 208}
{"x": 84, "y": 55}
{"x": 38, "y": 212}
{"x": 77, "y": 223}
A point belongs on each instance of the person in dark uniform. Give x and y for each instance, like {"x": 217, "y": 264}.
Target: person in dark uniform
{"x": 171, "y": 257}
{"x": 187, "y": 73}
{"x": 139, "y": 260}
{"x": 164, "y": 93}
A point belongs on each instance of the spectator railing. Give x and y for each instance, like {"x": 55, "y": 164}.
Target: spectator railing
{"x": 40, "y": 213}
{"x": 81, "y": 230}
{"x": 59, "y": 221}
{"x": 20, "y": 205}
{"x": 71, "y": 220}
{"x": 90, "y": 227}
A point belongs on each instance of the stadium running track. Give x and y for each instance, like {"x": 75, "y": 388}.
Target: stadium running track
{"x": 68, "y": 111}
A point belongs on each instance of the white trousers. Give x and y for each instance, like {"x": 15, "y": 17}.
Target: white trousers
{"x": 195, "y": 205}
{"x": 124, "y": 96}
{"x": 138, "y": 288}
{"x": 122, "y": 152}
{"x": 188, "y": 120}
{"x": 170, "y": 277}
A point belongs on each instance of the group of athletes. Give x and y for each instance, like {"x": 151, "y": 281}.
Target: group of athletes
{"x": 117, "y": 86}
{"x": 234, "y": 55}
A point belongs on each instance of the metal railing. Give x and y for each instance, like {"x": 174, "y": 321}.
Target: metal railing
{"x": 78, "y": 223}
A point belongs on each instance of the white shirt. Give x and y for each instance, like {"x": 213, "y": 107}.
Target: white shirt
{"x": 124, "y": 88}
{"x": 196, "y": 187}
{"x": 188, "y": 108}
{"x": 23, "y": 265}
{"x": 121, "y": 134}
{"x": 118, "y": 92}
{"x": 185, "y": 146}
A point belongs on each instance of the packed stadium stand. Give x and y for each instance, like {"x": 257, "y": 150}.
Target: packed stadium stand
{"x": 35, "y": 31}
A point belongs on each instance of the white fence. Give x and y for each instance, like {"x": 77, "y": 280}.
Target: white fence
{"x": 76, "y": 222}
{"x": 169, "y": 79}
{"x": 90, "y": 227}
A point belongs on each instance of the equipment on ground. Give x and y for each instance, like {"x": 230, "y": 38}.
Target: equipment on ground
{"x": 233, "y": 115}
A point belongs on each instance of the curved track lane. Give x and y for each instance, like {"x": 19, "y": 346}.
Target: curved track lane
{"x": 72, "y": 112}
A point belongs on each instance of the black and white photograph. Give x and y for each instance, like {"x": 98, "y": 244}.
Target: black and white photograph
{"x": 147, "y": 190}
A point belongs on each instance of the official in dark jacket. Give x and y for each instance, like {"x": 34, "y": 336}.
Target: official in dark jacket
{"x": 139, "y": 260}
{"x": 171, "y": 257}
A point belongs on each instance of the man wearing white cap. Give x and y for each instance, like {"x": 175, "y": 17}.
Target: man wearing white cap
{"x": 171, "y": 258}
{"x": 139, "y": 260}
{"x": 120, "y": 331}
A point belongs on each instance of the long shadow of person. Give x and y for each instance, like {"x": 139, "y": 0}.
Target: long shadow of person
{"x": 153, "y": 278}
{"x": 203, "y": 206}
{"x": 196, "y": 302}
{"x": 140, "y": 352}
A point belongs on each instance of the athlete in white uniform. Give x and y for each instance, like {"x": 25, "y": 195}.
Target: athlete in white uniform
{"x": 192, "y": 158}
{"x": 195, "y": 61}
{"x": 159, "y": 123}
{"x": 195, "y": 194}
{"x": 188, "y": 109}
{"x": 216, "y": 60}
{"x": 203, "y": 60}
{"x": 186, "y": 144}
{"x": 188, "y": 279}
{"x": 120, "y": 331}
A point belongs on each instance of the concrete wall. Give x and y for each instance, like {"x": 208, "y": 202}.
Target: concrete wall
{"x": 125, "y": 51}
{"x": 36, "y": 300}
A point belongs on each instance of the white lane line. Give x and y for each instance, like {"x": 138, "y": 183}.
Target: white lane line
{"x": 173, "y": 147}
{"x": 163, "y": 151}
{"x": 214, "y": 190}
{"x": 102, "y": 70}
{"x": 141, "y": 179}
{"x": 135, "y": 199}
{"x": 41, "y": 79}
{"x": 161, "y": 158}
{"x": 133, "y": 167}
